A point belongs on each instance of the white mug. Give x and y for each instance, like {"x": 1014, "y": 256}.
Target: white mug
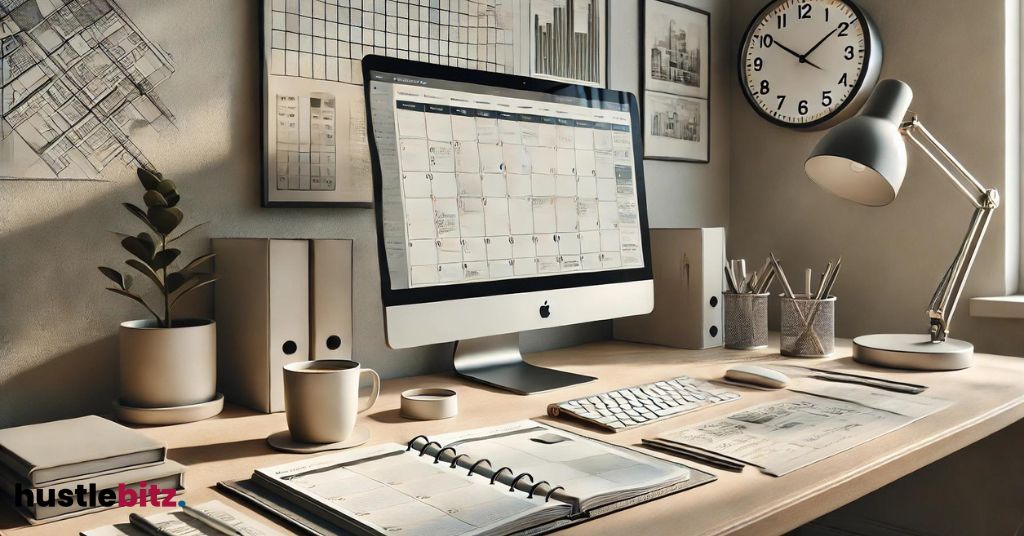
{"x": 321, "y": 399}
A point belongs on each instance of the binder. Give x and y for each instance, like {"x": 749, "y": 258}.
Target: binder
{"x": 262, "y": 311}
{"x": 331, "y": 299}
{"x": 688, "y": 283}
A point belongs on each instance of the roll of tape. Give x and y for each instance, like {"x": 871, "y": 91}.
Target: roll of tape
{"x": 429, "y": 404}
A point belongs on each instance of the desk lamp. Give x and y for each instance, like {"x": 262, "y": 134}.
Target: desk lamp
{"x": 864, "y": 160}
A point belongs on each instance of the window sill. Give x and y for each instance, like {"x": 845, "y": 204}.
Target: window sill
{"x": 998, "y": 307}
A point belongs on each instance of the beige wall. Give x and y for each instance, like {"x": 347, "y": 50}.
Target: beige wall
{"x": 952, "y": 54}
{"x": 58, "y": 345}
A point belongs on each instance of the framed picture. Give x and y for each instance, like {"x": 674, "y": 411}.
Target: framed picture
{"x": 675, "y": 48}
{"x": 315, "y": 151}
{"x": 569, "y": 41}
{"x": 675, "y": 81}
{"x": 675, "y": 128}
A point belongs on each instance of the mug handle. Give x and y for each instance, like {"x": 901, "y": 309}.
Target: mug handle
{"x": 374, "y": 391}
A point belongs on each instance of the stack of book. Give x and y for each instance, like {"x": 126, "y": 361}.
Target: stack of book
{"x": 72, "y": 467}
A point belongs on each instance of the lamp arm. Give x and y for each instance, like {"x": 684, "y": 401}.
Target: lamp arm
{"x": 985, "y": 200}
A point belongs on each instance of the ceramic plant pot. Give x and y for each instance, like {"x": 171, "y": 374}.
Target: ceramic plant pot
{"x": 168, "y": 367}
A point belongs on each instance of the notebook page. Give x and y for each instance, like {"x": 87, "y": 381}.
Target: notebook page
{"x": 181, "y": 524}
{"x": 393, "y": 491}
{"x": 586, "y": 468}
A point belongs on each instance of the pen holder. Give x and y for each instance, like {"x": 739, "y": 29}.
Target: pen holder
{"x": 808, "y": 326}
{"x": 746, "y": 321}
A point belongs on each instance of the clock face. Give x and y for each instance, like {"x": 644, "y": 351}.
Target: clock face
{"x": 803, "y": 62}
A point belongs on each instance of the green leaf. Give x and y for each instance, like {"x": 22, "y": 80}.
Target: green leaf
{"x": 140, "y": 214}
{"x": 149, "y": 179}
{"x": 121, "y": 280}
{"x": 166, "y": 187}
{"x": 145, "y": 270}
{"x": 176, "y": 280}
{"x": 164, "y": 258}
{"x": 154, "y": 198}
{"x": 142, "y": 246}
{"x": 165, "y": 219}
{"x": 198, "y": 261}
{"x": 192, "y": 283}
{"x": 193, "y": 228}
{"x": 172, "y": 199}
{"x": 137, "y": 298}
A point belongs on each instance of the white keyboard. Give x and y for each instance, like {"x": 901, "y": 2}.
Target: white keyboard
{"x": 642, "y": 404}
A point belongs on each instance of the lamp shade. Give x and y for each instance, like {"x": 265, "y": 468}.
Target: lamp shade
{"x": 864, "y": 159}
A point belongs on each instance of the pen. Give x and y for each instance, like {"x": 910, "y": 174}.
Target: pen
{"x": 213, "y": 522}
{"x": 782, "y": 276}
{"x": 808, "y": 274}
{"x": 832, "y": 278}
{"x": 821, "y": 285}
{"x": 147, "y": 526}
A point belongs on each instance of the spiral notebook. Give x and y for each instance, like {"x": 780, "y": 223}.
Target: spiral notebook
{"x": 523, "y": 477}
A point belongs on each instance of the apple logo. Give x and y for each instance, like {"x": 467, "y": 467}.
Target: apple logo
{"x": 545, "y": 310}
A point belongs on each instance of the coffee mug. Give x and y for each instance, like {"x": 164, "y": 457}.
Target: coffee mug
{"x": 321, "y": 399}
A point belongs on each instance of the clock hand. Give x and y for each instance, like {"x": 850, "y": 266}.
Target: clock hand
{"x": 818, "y": 44}
{"x": 791, "y": 51}
{"x": 802, "y": 58}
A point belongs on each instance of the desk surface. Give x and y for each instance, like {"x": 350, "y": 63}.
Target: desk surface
{"x": 987, "y": 397}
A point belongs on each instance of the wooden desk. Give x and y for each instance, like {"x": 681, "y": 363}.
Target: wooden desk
{"x": 988, "y": 397}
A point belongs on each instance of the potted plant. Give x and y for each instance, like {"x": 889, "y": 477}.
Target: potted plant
{"x": 165, "y": 362}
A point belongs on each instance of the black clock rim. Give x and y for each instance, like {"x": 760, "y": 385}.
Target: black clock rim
{"x": 868, "y": 37}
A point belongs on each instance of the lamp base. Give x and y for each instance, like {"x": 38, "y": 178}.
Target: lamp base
{"x": 912, "y": 352}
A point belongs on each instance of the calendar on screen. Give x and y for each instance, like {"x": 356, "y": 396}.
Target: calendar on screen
{"x": 484, "y": 187}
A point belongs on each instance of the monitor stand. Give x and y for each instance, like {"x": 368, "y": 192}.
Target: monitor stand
{"x": 496, "y": 361}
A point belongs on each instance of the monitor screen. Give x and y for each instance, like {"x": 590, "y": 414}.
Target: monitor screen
{"x": 486, "y": 181}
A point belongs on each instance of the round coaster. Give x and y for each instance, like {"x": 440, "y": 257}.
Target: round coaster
{"x": 283, "y": 441}
{"x": 171, "y": 415}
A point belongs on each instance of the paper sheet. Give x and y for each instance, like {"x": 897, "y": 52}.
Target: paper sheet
{"x": 182, "y": 524}
{"x": 822, "y": 421}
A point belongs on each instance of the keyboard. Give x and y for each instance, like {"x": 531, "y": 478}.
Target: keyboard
{"x": 624, "y": 409}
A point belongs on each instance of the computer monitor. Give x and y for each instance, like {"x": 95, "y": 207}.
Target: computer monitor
{"x": 503, "y": 204}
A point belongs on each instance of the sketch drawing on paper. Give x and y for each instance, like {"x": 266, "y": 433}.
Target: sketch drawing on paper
{"x": 78, "y": 78}
{"x": 675, "y": 119}
{"x": 567, "y": 40}
{"x": 674, "y": 58}
{"x": 675, "y": 49}
{"x": 326, "y": 39}
{"x": 305, "y": 142}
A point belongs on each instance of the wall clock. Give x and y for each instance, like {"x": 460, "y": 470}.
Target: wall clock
{"x": 809, "y": 63}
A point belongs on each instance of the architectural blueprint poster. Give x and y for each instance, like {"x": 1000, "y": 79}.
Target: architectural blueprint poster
{"x": 78, "y": 80}
{"x": 312, "y": 51}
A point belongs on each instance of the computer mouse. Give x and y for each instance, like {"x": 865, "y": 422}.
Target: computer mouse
{"x": 757, "y": 376}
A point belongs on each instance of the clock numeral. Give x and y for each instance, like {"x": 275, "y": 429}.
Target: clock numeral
{"x": 844, "y": 81}
{"x": 782, "y": 99}
{"x": 758, "y": 64}
{"x": 804, "y": 11}
{"x": 826, "y": 98}
{"x": 802, "y": 107}
{"x": 781, "y": 21}
{"x": 764, "y": 87}
{"x": 826, "y": 14}
{"x": 849, "y": 52}
{"x": 843, "y": 26}
{"x": 767, "y": 40}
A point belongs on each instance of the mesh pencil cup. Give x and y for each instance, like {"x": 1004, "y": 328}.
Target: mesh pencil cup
{"x": 808, "y": 326}
{"x": 746, "y": 321}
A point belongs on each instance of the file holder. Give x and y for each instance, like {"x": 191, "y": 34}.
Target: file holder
{"x": 808, "y": 326}
{"x": 746, "y": 321}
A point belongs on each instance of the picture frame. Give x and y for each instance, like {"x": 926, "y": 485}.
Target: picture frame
{"x": 313, "y": 146}
{"x": 551, "y": 18}
{"x": 675, "y": 81}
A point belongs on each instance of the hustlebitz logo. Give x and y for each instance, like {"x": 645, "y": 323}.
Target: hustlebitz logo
{"x": 141, "y": 494}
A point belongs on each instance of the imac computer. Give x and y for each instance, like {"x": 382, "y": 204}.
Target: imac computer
{"x": 503, "y": 204}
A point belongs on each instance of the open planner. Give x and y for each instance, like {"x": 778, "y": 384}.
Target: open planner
{"x": 523, "y": 477}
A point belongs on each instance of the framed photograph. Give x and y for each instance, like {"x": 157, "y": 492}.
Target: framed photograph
{"x": 675, "y": 81}
{"x": 675, "y": 48}
{"x": 675, "y": 128}
{"x": 315, "y": 151}
{"x": 569, "y": 41}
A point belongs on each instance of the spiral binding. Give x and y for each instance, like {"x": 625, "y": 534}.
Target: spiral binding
{"x": 494, "y": 477}
{"x": 516, "y": 480}
{"x": 498, "y": 472}
{"x": 440, "y": 452}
